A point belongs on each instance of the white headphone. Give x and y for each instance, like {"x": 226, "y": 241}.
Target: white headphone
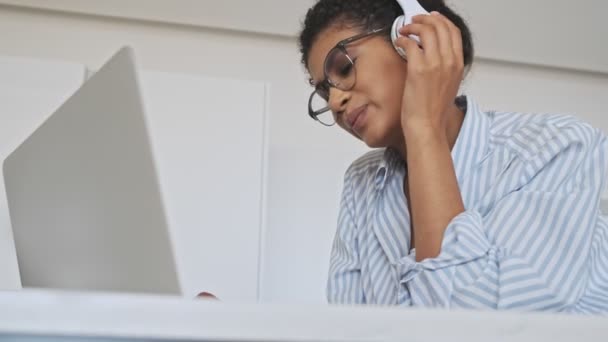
{"x": 410, "y": 8}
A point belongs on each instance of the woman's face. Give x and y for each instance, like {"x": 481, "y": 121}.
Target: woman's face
{"x": 371, "y": 109}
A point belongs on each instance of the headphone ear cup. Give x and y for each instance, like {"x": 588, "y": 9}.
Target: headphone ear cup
{"x": 397, "y": 24}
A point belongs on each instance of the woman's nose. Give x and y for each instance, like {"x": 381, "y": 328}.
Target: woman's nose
{"x": 338, "y": 99}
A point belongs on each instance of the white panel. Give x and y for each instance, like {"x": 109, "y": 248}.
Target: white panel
{"x": 207, "y": 138}
{"x": 304, "y": 196}
{"x": 306, "y": 166}
{"x": 30, "y": 90}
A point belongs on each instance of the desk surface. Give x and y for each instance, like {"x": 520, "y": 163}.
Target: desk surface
{"x": 43, "y": 316}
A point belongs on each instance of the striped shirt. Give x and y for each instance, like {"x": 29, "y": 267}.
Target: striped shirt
{"x": 531, "y": 236}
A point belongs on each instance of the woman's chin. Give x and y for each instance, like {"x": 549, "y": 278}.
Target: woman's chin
{"x": 371, "y": 138}
{"x": 373, "y": 141}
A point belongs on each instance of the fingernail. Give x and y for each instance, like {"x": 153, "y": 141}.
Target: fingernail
{"x": 435, "y": 13}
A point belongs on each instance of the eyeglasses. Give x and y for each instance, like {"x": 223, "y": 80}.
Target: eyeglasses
{"x": 339, "y": 71}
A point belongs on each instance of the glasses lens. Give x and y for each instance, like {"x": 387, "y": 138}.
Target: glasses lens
{"x": 326, "y": 118}
{"x": 320, "y": 108}
{"x": 340, "y": 69}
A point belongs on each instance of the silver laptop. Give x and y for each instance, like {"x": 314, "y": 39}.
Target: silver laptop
{"x": 83, "y": 193}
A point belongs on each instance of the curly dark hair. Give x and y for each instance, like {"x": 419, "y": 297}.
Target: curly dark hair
{"x": 369, "y": 15}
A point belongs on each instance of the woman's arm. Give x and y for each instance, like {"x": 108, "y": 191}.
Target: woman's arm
{"x": 435, "y": 71}
{"x": 538, "y": 243}
{"x": 433, "y": 189}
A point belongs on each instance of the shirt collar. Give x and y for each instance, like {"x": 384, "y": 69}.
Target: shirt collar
{"x": 391, "y": 161}
{"x": 473, "y": 140}
{"x": 468, "y": 151}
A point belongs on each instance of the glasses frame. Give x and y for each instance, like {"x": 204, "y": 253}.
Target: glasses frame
{"x": 341, "y": 45}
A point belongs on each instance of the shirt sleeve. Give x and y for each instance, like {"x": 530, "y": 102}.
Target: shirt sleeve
{"x": 546, "y": 250}
{"x": 595, "y": 296}
{"x": 344, "y": 281}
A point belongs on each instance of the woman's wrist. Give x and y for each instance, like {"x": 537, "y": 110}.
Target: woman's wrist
{"x": 424, "y": 133}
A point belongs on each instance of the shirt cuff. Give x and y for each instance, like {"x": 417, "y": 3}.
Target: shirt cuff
{"x": 464, "y": 240}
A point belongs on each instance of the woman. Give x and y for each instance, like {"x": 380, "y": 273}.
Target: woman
{"x": 456, "y": 207}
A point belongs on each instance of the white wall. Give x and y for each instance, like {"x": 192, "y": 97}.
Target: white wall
{"x": 29, "y": 90}
{"x": 504, "y": 30}
{"x": 504, "y": 86}
{"x": 306, "y": 161}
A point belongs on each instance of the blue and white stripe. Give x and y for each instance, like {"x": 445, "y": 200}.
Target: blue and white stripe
{"x": 531, "y": 237}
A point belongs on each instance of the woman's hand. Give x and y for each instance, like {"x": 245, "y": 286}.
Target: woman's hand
{"x": 434, "y": 71}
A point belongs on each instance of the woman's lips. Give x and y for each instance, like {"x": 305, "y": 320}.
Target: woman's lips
{"x": 356, "y": 119}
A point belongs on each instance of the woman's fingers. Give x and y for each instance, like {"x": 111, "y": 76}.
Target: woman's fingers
{"x": 434, "y": 33}
{"x": 456, "y": 38}
{"x": 411, "y": 48}
{"x": 428, "y": 38}
{"x": 444, "y": 36}
{"x": 440, "y": 40}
